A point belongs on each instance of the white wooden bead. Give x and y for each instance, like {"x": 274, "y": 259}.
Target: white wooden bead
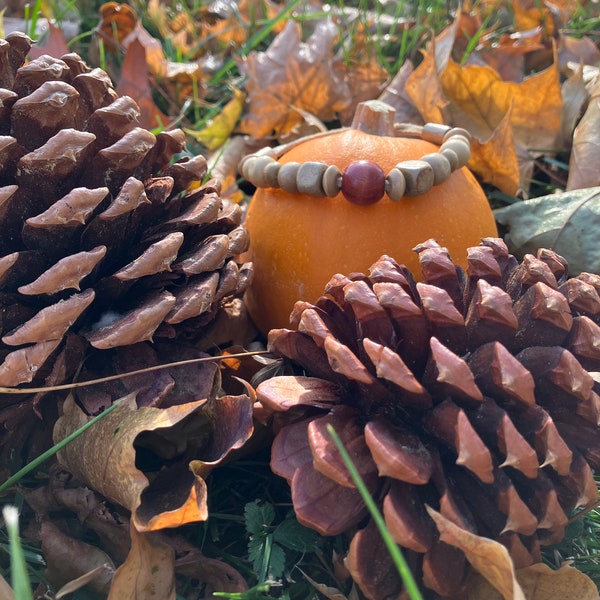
{"x": 418, "y": 175}
{"x": 287, "y": 177}
{"x": 440, "y": 165}
{"x": 395, "y": 184}
{"x": 451, "y": 157}
{"x": 454, "y": 131}
{"x": 255, "y": 170}
{"x": 435, "y": 132}
{"x": 332, "y": 181}
{"x": 461, "y": 147}
{"x": 309, "y": 178}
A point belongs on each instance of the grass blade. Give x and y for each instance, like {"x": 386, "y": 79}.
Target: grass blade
{"x": 18, "y": 568}
{"x": 36, "y": 462}
{"x": 393, "y": 548}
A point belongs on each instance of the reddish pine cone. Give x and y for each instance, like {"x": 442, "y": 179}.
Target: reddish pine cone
{"x": 108, "y": 237}
{"x": 468, "y": 392}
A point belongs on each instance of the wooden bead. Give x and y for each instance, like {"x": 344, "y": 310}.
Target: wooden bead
{"x": 418, "y": 175}
{"x": 460, "y": 147}
{"x": 287, "y": 177}
{"x": 395, "y": 185}
{"x": 451, "y": 157}
{"x": 363, "y": 182}
{"x": 254, "y": 170}
{"x": 270, "y": 174}
{"x": 309, "y": 178}
{"x": 332, "y": 181}
{"x": 435, "y": 132}
{"x": 454, "y": 131}
{"x": 440, "y": 165}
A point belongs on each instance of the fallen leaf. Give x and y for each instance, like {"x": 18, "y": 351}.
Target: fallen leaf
{"x": 396, "y": 96}
{"x": 567, "y": 223}
{"x": 134, "y": 82}
{"x": 329, "y": 592}
{"x": 289, "y": 74}
{"x": 488, "y": 557}
{"x": 495, "y": 159}
{"x": 135, "y": 454}
{"x": 538, "y": 582}
{"x": 575, "y": 95}
{"x": 585, "y": 154}
{"x": 5, "y": 590}
{"x": 148, "y": 572}
{"x": 54, "y": 44}
{"x": 479, "y": 100}
{"x": 117, "y": 21}
{"x": 84, "y": 580}
{"x": 424, "y": 88}
{"x": 69, "y": 558}
{"x": 218, "y": 130}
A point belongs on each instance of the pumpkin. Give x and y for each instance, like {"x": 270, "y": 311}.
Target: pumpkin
{"x": 298, "y": 240}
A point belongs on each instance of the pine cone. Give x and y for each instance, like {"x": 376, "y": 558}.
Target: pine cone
{"x": 108, "y": 238}
{"x": 468, "y": 392}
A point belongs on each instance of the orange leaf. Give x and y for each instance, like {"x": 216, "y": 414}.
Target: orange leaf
{"x": 488, "y": 557}
{"x": 495, "y": 160}
{"x": 117, "y": 21}
{"x": 148, "y": 571}
{"x": 425, "y": 89}
{"x": 293, "y": 75}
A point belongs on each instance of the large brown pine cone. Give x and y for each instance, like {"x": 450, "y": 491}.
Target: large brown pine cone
{"x": 468, "y": 392}
{"x": 107, "y": 238}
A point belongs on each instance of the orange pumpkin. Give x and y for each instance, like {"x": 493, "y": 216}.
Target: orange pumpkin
{"x": 298, "y": 241}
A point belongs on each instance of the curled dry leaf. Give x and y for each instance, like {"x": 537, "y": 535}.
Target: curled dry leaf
{"x": 566, "y": 223}
{"x": 490, "y": 558}
{"x": 133, "y": 455}
{"x": 148, "y": 571}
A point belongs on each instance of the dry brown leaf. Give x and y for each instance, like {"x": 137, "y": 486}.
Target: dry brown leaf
{"x": 585, "y": 155}
{"x": 539, "y": 582}
{"x": 69, "y": 558}
{"x": 395, "y": 95}
{"x": 575, "y": 95}
{"x": 293, "y": 74}
{"x": 108, "y": 457}
{"x": 5, "y": 590}
{"x": 148, "y": 571}
{"x": 134, "y": 82}
{"x": 488, "y": 557}
{"x": 54, "y": 44}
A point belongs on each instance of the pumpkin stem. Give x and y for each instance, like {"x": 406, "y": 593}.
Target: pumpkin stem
{"x": 374, "y": 117}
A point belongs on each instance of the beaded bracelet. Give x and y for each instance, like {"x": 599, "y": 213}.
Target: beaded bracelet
{"x": 364, "y": 182}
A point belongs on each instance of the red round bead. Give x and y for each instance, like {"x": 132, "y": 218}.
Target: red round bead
{"x": 363, "y": 182}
